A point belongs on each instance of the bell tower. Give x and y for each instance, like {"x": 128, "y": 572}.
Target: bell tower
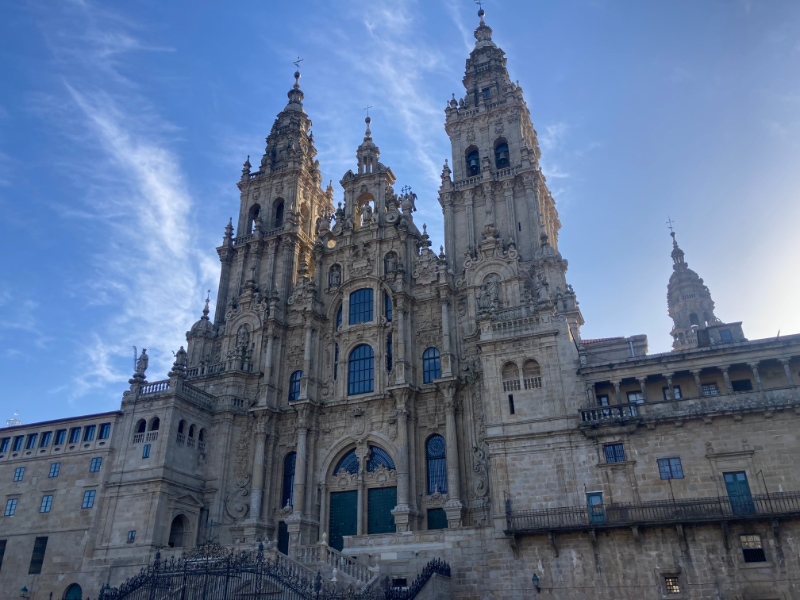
{"x": 495, "y": 194}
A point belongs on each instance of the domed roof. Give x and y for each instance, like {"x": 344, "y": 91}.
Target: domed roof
{"x": 204, "y": 325}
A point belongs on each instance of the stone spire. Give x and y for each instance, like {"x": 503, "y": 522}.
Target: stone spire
{"x": 368, "y": 153}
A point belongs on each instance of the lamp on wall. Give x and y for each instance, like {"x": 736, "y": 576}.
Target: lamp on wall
{"x": 535, "y": 581}
{"x": 24, "y": 593}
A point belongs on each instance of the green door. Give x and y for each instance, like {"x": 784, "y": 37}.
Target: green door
{"x": 344, "y": 517}
{"x": 739, "y": 493}
{"x": 597, "y": 512}
{"x": 283, "y": 538}
{"x": 380, "y": 503}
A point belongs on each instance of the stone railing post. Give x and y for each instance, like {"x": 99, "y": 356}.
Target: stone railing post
{"x": 787, "y": 369}
{"x": 756, "y": 376}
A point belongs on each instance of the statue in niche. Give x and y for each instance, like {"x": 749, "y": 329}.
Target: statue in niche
{"x": 390, "y": 263}
{"x": 542, "y": 292}
{"x": 366, "y": 214}
{"x": 335, "y": 276}
{"x": 489, "y": 296}
{"x": 242, "y": 336}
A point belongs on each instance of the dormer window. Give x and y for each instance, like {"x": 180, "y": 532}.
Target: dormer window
{"x": 473, "y": 163}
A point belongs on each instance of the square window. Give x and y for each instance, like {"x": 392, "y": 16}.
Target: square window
{"x": 74, "y": 435}
{"x": 95, "y": 466}
{"x": 18, "y": 443}
{"x": 19, "y": 473}
{"x": 131, "y": 536}
{"x": 61, "y": 437}
{"x": 4, "y": 444}
{"x": 752, "y": 549}
{"x": 47, "y": 503}
{"x": 146, "y": 451}
{"x": 676, "y": 391}
{"x": 11, "y": 507}
{"x": 742, "y": 385}
{"x": 55, "y": 469}
{"x": 105, "y": 431}
{"x": 670, "y": 468}
{"x": 673, "y": 585}
{"x": 47, "y": 437}
{"x": 88, "y": 433}
{"x": 635, "y": 398}
{"x": 710, "y": 389}
{"x": 88, "y": 499}
{"x": 615, "y": 453}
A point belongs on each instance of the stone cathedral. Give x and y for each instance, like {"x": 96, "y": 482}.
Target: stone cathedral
{"x": 359, "y": 404}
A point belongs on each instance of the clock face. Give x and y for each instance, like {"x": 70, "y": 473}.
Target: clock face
{"x": 331, "y": 243}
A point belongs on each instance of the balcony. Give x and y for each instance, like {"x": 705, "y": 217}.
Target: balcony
{"x": 653, "y": 514}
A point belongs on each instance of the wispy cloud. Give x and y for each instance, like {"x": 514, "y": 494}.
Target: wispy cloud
{"x": 552, "y": 136}
{"x": 134, "y": 194}
{"x": 21, "y": 332}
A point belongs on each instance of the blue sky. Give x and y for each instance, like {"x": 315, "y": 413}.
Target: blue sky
{"x": 123, "y": 128}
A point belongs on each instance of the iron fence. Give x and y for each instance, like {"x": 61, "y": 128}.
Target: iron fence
{"x": 434, "y": 567}
{"x": 698, "y": 510}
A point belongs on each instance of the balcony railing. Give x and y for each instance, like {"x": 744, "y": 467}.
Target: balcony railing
{"x": 696, "y": 510}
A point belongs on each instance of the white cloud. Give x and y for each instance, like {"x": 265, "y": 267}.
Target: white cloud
{"x": 553, "y": 136}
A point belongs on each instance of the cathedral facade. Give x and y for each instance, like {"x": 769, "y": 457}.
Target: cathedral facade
{"x": 359, "y": 392}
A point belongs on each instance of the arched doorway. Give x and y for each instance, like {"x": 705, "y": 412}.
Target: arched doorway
{"x": 363, "y": 495}
{"x": 73, "y": 592}
{"x": 178, "y": 532}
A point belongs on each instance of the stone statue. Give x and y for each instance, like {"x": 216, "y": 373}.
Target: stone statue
{"x": 142, "y": 362}
{"x": 542, "y": 292}
{"x": 366, "y": 214}
{"x": 489, "y": 296}
{"x": 390, "y": 262}
{"x": 181, "y": 358}
{"x": 335, "y": 276}
{"x": 242, "y": 336}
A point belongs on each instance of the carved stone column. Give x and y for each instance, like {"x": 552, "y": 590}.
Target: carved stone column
{"x": 617, "y": 392}
{"x": 294, "y": 522}
{"x": 400, "y": 364}
{"x": 453, "y": 507}
{"x": 727, "y": 378}
{"x": 699, "y": 385}
{"x": 642, "y": 381}
{"x": 306, "y": 361}
{"x": 447, "y": 358}
{"x": 225, "y": 256}
{"x": 671, "y": 388}
{"x": 268, "y": 365}
{"x": 756, "y": 376}
{"x": 362, "y": 453}
{"x": 254, "y": 524}
{"x": 470, "y": 220}
{"x": 787, "y": 369}
{"x": 402, "y": 512}
{"x": 591, "y": 394}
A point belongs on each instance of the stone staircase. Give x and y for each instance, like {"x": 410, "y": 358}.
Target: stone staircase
{"x": 335, "y": 566}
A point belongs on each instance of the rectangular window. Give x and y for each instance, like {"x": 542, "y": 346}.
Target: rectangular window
{"x": 615, "y": 453}
{"x": 4, "y": 444}
{"x": 37, "y": 558}
{"x": 670, "y": 468}
{"x": 752, "y": 549}
{"x": 389, "y": 354}
{"x": 47, "y": 437}
{"x": 32, "y": 439}
{"x": 61, "y": 436}
{"x": 335, "y": 361}
{"x": 88, "y": 499}
{"x": 95, "y": 466}
{"x": 511, "y": 403}
{"x": 635, "y": 397}
{"x": 361, "y": 306}
{"x": 387, "y": 307}
{"x": 742, "y": 385}
{"x": 47, "y": 503}
{"x": 11, "y": 507}
{"x": 2, "y": 552}
{"x": 18, "y": 443}
{"x": 487, "y": 93}
{"x": 19, "y": 473}
{"x": 602, "y": 400}
{"x": 676, "y": 391}
{"x": 88, "y": 433}
{"x": 673, "y": 585}
{"x": 725, "y": 335}
{"x": 146, "y": 451}
{"x": 74, "y": 435}
{"x": 710, "y": 389}
{"x": 105, "y": 431}
{"x": 131, "y": 536}
{"x": 55, "y": 469}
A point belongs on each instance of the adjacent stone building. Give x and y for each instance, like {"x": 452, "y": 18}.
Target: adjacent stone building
{"x": 359, "y": 396}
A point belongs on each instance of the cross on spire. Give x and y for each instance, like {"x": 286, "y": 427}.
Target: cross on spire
{"x": 670, "y": 222}
{"x": 479, "y": 3}
{"x": 297, "y": 63}
{"x": 367, "y": 109}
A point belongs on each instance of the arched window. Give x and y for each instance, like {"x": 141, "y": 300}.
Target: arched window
{"x": 339, "y": 317}
{"x": 201, "y": 436}
{"x": 177, "y": 531}
{"x": 255, "y": 211}
{"x": 287, "y": 495}
{"x": 361, "y": 370}
{"x": 473, "y": 162}
{"x": 389, "y": 354}
{"x": 181, "y": 426}
{"x": 387, "y": 307}
{"x": 191, "y": 431}
{"x": 155, "y": 424}
{"x": 348, "y": 463}
{"x": 431, "y": 365}
{"x": 510, "y": 377}
{"x": 531, "y": 375}
{"x": 73, "y": 592}
{"x": 294, "y": 385}
{"x": 378, "y": 457}
{"x": 501, "y": 157}
{"x": 361, "y": 306}
{"x": 278, "y": 222}
{"x": 436, "y": 456}
{"x": 694, "y": 320}
{"x": 141, "y": 426}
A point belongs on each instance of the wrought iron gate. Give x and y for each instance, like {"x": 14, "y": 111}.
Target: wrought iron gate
{"x": 212, "y": 573}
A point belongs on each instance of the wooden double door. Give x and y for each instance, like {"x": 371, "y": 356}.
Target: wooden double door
{"x": 343, "y": 519}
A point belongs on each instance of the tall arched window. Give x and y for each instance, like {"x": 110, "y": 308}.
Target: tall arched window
{"x": 177, "y": 531}
{"x": 141, "y": 426}
{"x": 335, "y": 362}
{"x": 501, "y": 157}
{"x": 531, "y": 375}
{"x": 387, "y": 307}
{"x": 348, "y": 463}
{"x": 339, "y": 317}
{"x": 378, "y": 457}
{"x": 431, "y": 365}
{"x": 473, "y": 162}
{"x": 389, "y": 354}
{"x": 73, "y": 592}
{"x": 510, "y": 377}
{"x": 361, "y": 306}
{"x": 155, "y": 424}
{"x": 278, "y": 222}
{"x": 294, "y": 385}
{"x": 436, "y": 456}
{"x": 255, "y": 211}
{"x": 287, "y": 495}
{"x": 361, "y": 370}
{"x": 181, "y": 426}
